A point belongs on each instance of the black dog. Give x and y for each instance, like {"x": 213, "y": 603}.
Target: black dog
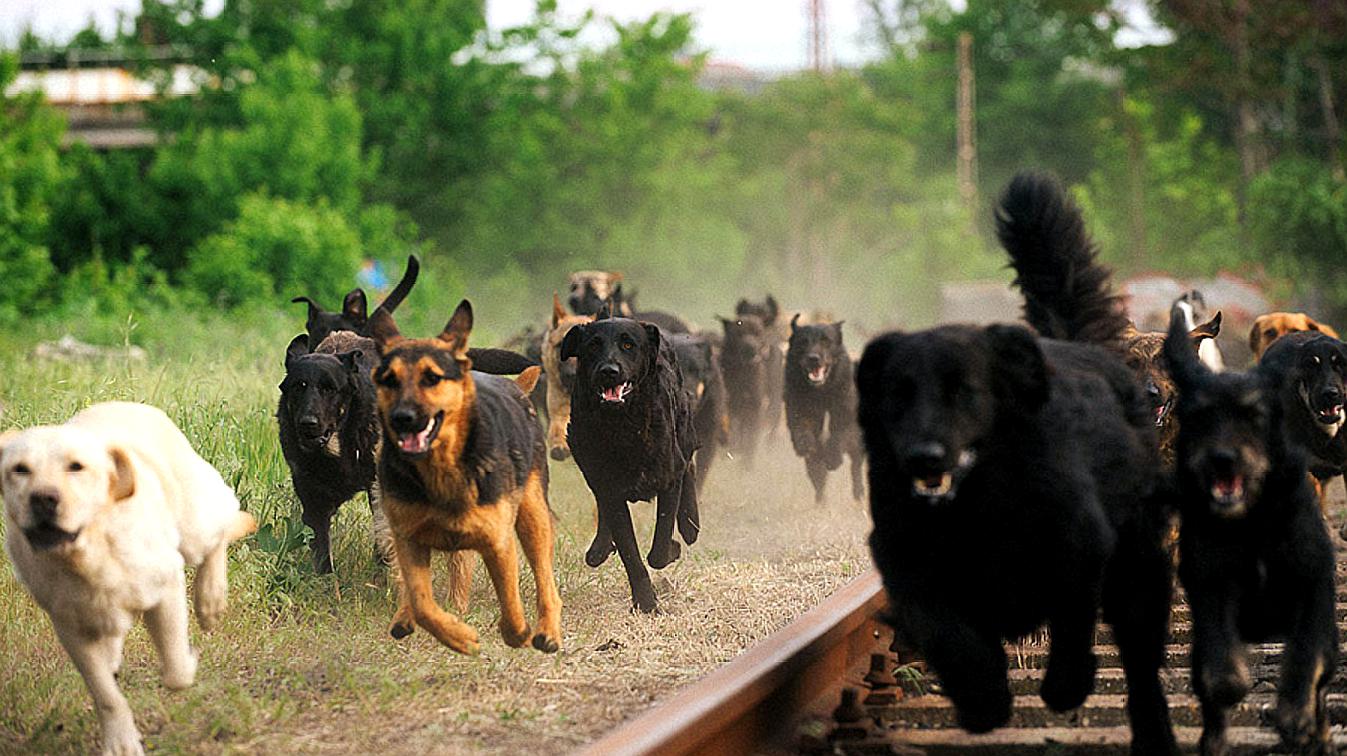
{"x": 774, "y": 358}
{"x": 1312, "y": 375}
{"x": 353, "y": 317}
{"x": 820, "y": 397}
{"x": 330, "y": 434}
{"x": 995, "y": 455}
{"x": 632, "y": 434}
{"x": 625, "y": 305}
{"x": 700, "y": 365}
{"x": 746, "y": 358}
{"x": 1254, "y": 555}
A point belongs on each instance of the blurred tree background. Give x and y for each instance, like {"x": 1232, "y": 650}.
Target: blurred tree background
{"x": 326, "y": 132}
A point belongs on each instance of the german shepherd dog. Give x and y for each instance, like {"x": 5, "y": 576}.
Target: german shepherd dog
{"x": 463, "y": 467}
{"x": 1143, "y": 351}
{"x": 1255, "y": 556}
{"x": 560, "y": 378}
{"x": 329, "y": 432}
{"x": 995, "y": 454}
{"x": 633, "y": 435}
{"x": 746, "y": 358}
{"x": 1310, "y": 368}
{"x": 820, "y": 394}
{"x": 700, "y": 365}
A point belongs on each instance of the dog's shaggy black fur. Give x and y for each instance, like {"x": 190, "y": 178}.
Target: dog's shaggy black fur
{"x": 820, "y": 396}
{"x": 1011, "y": 481}
{"x": 329, "y": 433}
{"x": 632, "y": 434}
{"x": 1311, "y": 371}
{"x": 1255, "y": 557}
{"x": 700, "y": 365}
{"x": 774, "y": 358}
{"x": 746, "y": 359}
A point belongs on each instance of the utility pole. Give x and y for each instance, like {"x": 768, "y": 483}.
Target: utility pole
{"x": 967, "y": 127}
{"x": 818, "y": 36}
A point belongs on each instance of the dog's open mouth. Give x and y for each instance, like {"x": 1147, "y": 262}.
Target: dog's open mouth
{"x": 1331, "y": 415}
{"x": 1162, "y": 412}
{"x": 1227, "y": 491}
{"x": 819, "y": 375}
{"x": 616, "y": 394}
{"x": 936, "y": 487}
{"x": 418, "y": 442}
{"x": 48, "y": 536}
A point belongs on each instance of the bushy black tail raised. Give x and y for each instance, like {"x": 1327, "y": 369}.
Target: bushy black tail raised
{"x": 1066, "y": 290}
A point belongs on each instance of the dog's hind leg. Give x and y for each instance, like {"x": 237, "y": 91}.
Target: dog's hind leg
{"x": 210, "y": 589}
{"x": 534, "y": 526}
{"x": 617, "y": 514}
{"x": 857, "y": 473}
{"x": 664, "y": 550}
{"x": 1311, "y": 647}
{"x": 817, "y": 468}
{"x": 380, "y": 531}
{"x": 1220, "y": 675}
{"x": 91, "y": 658}
{"x": 419, "y": 602}
{"x": 167, "y": 624}
{"x": 319, "y": 519}
{"x": 689, "y": 513}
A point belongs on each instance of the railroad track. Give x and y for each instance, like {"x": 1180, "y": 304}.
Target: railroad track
{"x": 829, "y": 683}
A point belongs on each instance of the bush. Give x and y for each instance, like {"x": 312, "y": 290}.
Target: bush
{"x": 276, "y": 249}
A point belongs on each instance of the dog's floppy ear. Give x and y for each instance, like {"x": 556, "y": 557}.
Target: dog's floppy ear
{"x": 1020, "y": 374}
{"x": 773, "y": 311}
{"x": 1208, "y": 330}
{"x": 570, "y": 345}
{"x": 299, "y": 346}
{"x": 123, "y": 483}
{"x": 354, "y": 309}
{"x": 1184, "y": 365}
{"x": 458, "y": 328}
{"x": 652, "y": 339}
{"x": 794, "y": 323}
{"x": 1255, "y": 334}
{"x": 558, "y": 312}
{"x": 384, "y": 330}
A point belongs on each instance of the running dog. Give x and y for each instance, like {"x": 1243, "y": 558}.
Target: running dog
{"x": 747, "y": 355}
{"x": 995, "y": 454}
{"x": 560, "y": 378}
{"x": 633, "y": 435}
{"x": 1143, "y": 351}
{"x": 1272, "y": 326}
{"x": 1255, "y": 556}
{"x": 820, "y": 395}
{"x": 464, "y": 467}
{"x": 700, "y": 365}
{"x": 101, "y": 516}
{"x": 774, "y": 358}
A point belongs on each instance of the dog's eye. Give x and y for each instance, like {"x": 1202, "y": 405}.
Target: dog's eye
{"x": 303, "y": 385}
{"x": 1269, "y": 334}
{"x": 431, "y": 379}
{"x": 627, "y": 346}
{"x": 387, "y": 380}
{"x": 75, "y": 466}
{"x": 20, "y": 469}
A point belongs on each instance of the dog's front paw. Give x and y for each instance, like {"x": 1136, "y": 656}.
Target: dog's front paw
{"x": 1228, "y": 686}
{"x": 515, "y": 637}
{"x": 1066, "y": 686}
{"x": 122, "y": 739}
{"x": 545, "y": 643}
{"x": 180, "y": 673}
{"x": 984, "y": 713}
{"x": 401, "y": 628}
{"x": 661, "y": 558}
{"x": 598, "y": 552}
{"x": 1298, "y": 728}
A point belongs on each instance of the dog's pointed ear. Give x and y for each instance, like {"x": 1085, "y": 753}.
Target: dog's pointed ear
{"x": 741, "y": 306}
{"x": 837, "y": 328}
{"x": 773, "y": 310}
{"x": 1184, "y": 366}
{"x": 123, "y": 482}
{"x": 795, "y": 323}
{"x": 528, "y": 380}
{"x": 314, "y": 309}
{"x": 1208, "y": 330}
{"x": 384, "y": 330}
{"x": 457, "y": 330}
{"x": 605, "y": 310}
{"x": 570, "y": 344}
{"x": 299, "y": 346}
{"x": 1020, "y": 372}
{"x": 558, "y": 312}
{"x": 354, "y": 308}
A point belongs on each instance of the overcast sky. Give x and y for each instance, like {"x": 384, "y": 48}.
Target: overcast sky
{"x": 757, "y": 33}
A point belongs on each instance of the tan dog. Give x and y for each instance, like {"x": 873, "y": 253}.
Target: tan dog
{"x": 101, "y": 515}
{"x": 463, "y": 468}
{"x": 560, "y": 376}
{"x": 1274, "y": 325}
{"x": 591, "y": 289}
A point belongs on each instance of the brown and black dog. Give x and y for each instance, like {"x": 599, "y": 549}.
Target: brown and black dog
{"x": 1274, "y": 325}
{"x": 560, "y": 375}
{"x": 464, "y": 467}
{"x": 1143, "y": 351}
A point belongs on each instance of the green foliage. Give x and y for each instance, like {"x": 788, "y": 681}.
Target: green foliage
{"x": 1298, "y": 214}
{"x": 275, "y": 247}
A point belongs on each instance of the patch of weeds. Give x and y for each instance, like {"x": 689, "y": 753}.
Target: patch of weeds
{"x": 282, "y": 548}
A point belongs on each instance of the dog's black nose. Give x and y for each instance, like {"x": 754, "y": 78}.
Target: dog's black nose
{"x": 1152, "y": 390}
{"x": 1222, "y": 460}
{"x": 308, "y": 424}
{"x": 403, "y": 419}
{"x": 42, "y": 504}
{"x": 610, "y": 372}
{"x": 928, "y": 456}
{"x": 1332, "y": 395}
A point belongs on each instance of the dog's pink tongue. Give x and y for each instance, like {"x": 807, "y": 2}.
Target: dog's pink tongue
{"x": 1228, "y": 486}
{"x": 613, "y": 394}
{"x": 816, "y": 374}
{"x": 415, "y": 443}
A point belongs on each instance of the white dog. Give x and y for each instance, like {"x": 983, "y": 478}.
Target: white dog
{"x": 101, "y": 516}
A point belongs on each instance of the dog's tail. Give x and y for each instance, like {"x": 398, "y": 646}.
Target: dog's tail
{"x": 499, "y": 361}
{"x": 1184, "y": 365}
{"x": 1066, "y": 290}
{"x": 404, "y": 286}
{"x": 244, "y": 525}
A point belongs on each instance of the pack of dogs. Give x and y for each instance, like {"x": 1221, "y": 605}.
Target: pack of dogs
{"x": 1024, "y": 477}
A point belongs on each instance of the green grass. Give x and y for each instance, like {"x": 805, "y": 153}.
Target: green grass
{"x": 303, "y": 663}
